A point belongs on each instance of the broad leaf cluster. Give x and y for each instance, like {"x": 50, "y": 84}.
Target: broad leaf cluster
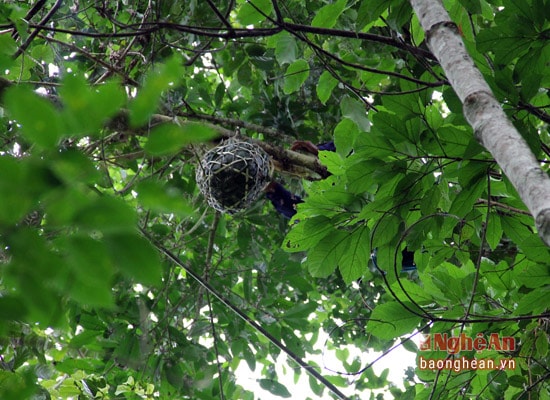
{"x": 118, "y": 281}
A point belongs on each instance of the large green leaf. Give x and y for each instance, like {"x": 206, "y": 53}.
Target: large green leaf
{"x": 533, "y": 302}
{"x": 253, "y": 12}
{"x": 391, "y": 320}
{"x": 275, "y": 388}
{"x": 90, "y": 271}
{"x": 171, "y": 138}
{"x": 106, "y": 214}
{"x": 147, "y": 100}
{"x": 87, "y": 109}
{"x": 306, "y": 234}
{"x": 532, "y": 275}
{"x": 504, "y": 43}
{"x": 326, "y": 85}
{"x": 296, "y": 74}
{"x": 135, "y": 257}
{"x": 43, "y": 125}
{"x": 356, "y": 111}
{"x": 162, "y": 199}
{"x": 285, "y": 48}
{"x": 323, "y": 259}
{"x": 327, "y": 15}
{"x": 16, "y": 202}
{"x": 354, "y": 262}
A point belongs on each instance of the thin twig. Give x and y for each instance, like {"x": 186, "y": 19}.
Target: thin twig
{"x": 276, "y": 342}
{"x": 39, "y": 26}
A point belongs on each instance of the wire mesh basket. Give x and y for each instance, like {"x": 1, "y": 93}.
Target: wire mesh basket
{"x": 232, "y": 175}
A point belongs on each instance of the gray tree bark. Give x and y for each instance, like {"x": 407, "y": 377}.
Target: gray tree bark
{"x": 484, "y": 113}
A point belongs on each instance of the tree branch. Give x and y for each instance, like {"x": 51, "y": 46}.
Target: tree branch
{"x": 536, "y": 111}
{"x": 486, "y": 116}
{"x": 237, "y": 123}
{"x": 33, "y": 34}
{"x": 389, "y": 41}
{"x": 286, "y": 161}
{"x": 308, "y": 368}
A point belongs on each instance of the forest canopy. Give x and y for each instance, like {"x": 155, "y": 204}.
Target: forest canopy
{"x": 387, "y": 219}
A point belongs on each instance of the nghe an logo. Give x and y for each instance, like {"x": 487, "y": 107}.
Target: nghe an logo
{"x": 462, "y": 342}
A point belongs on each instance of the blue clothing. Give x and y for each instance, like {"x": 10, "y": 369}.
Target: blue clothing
{"x": 407, "y": 264}
{"x": 329, "y": 146}
{"x": 283, "y": 201}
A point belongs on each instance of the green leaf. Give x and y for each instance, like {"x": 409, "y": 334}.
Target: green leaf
{"x": 375, "y": 145}
{"x": 39, "y": 274}
{"x": 494, "y": 230}
{"x": 135, "y": 257}
{"x": 504, "y": 42}
{"x": 87, "y": 109}
{"x": 244, "y": 75}
{"x": 43, "y": 125}
{"x": 295, "y": 75}
{"x": 369, "y": 11}
{"x": 326, "y": 85}
{"x": 391, "y": 320}
{"x": 16, "y": 202}
{"x": 106, "y": 214}
{"x": 171, "y": 138}
{"x": 254, "y": 11}
{"x": 389, "y": 260}
{"x": 356, "y": 111}
{"x": 391, "y": 126}
{"x": 12, "y": 308}
{"x": 464, "y": 201}
{"x": 473, "y": 6}
{"x": 323, "y": 259}
{"x": 90, "y": 271}
{"x": 7, "y": 48}
{"x": 219, "y": 94}
{"x": 514, "y": 228}
{"x": 327, "y": 15}
{"x": 285, "y": 48}
{"x": 71, "y": 365}
{"x": 541, "y": 343}
{"x": 360, "y": 176}
{"x": 417, "y": 31}
{"x": 532, "y": 275}
{"x": 307, "y": 234}
{"x": 534, "y": 302}
{"x": 297, "y": 315}
{"x": 274, "y": 387}
{"x": 472, "y": 173}
{"x": 354, "y": 262}
{"x": 535, "y": 249}
{"x": 72, "y": 166}
{"x": 333, "y": 162}
{"x": 345, "y": 136}
{"x": 163, "y": 199}
{"x": 84, "y": 338}
{"x": 386, "y": 230}
{"x": 405, "y": 106}
{"x": 43, "y": 53}
{"x": 420, "y": 294}
{"x": 157, "y": 81}
{"x": 300, "y": 310}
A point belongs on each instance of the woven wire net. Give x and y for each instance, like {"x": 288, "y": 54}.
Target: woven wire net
{"x": 232, "y": 175}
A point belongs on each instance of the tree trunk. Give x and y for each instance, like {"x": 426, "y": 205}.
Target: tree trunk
{"x": 485, "y": 114}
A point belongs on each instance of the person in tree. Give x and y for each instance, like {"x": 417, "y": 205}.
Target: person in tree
{"x": 285, "y": 202}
